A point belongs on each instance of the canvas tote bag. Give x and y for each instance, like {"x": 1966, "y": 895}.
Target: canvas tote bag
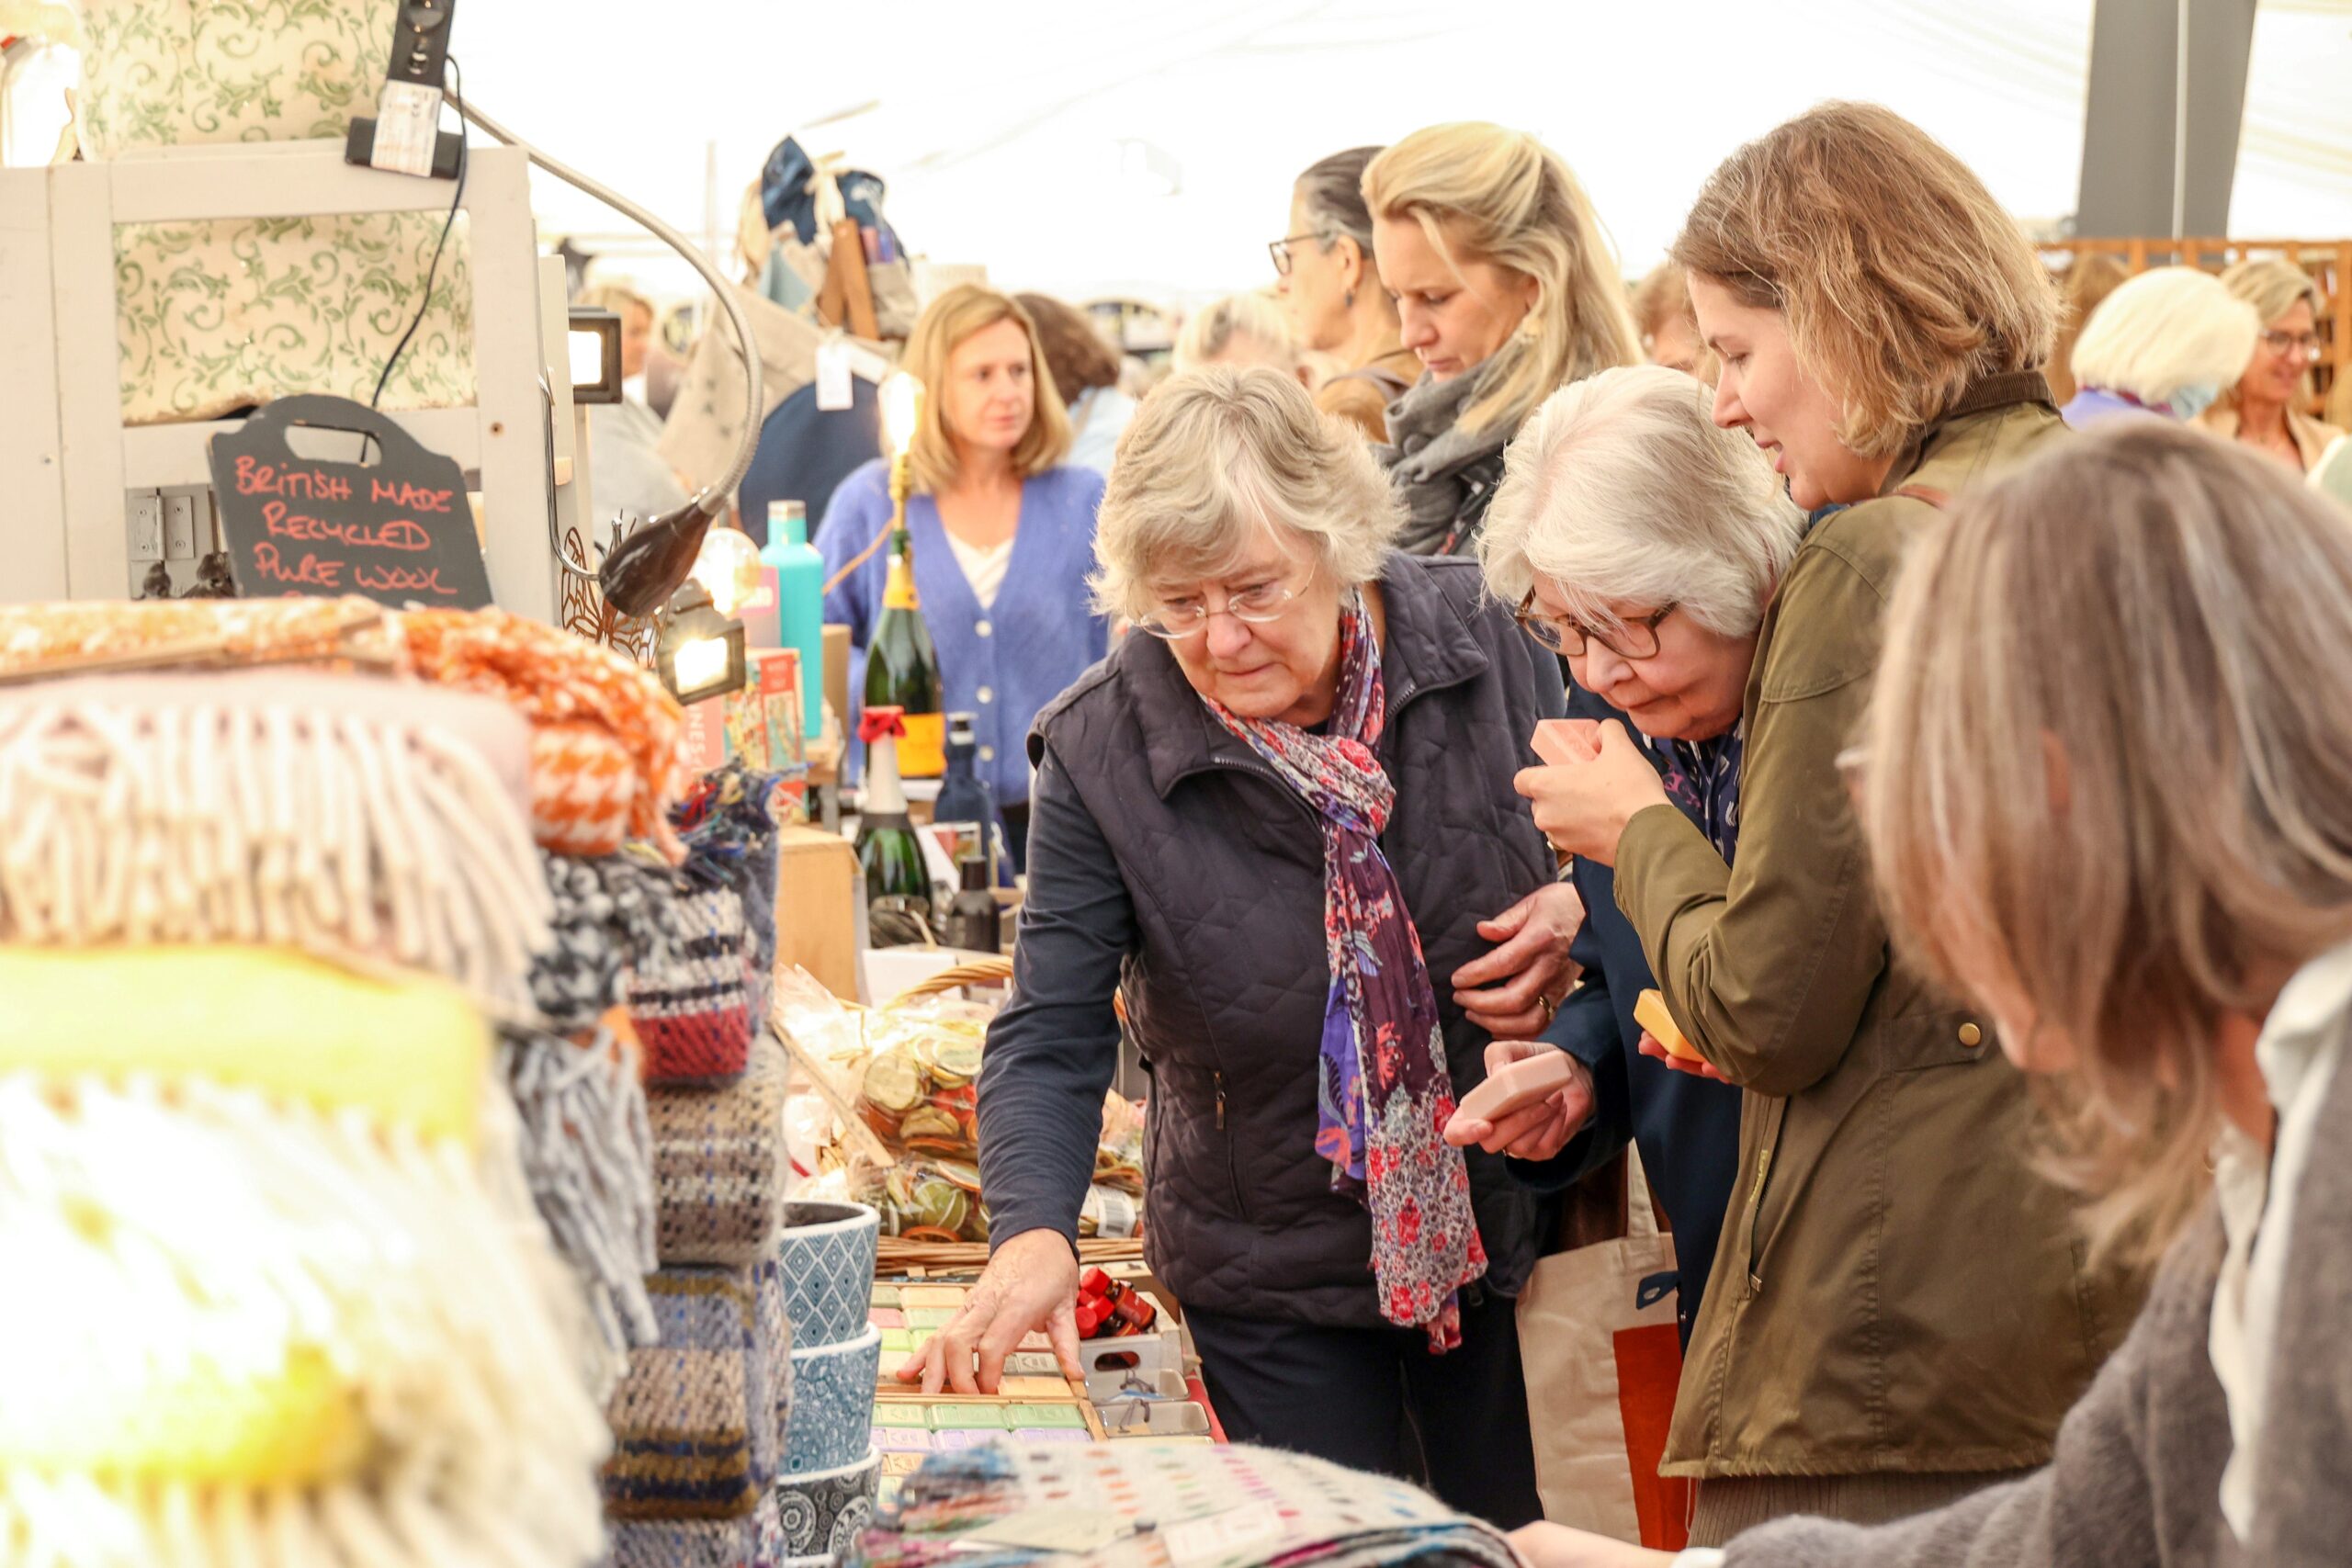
{"x": 1597, "y": 1336}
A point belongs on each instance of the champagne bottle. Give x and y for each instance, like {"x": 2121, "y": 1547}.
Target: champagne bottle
{"x": 901, "y": 670}
{"x": 897, "y": 884}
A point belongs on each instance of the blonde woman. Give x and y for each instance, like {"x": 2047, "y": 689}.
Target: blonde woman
{"x": 1669, "y": 331}
{"x": 2167, "y": 343}
{"x": 2263, "y": 409}
{"x": 1505, "y": 289}
{"x": 1002, "y": 531}
{"x": 1898, "y": 1312}
{"x": 2126, "y": 827}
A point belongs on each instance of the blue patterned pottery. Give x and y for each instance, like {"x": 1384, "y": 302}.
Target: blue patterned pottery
{"x": 827, "y": 1252}
{"x": 825, "y": 1513}
{"x": 832, "y": 1404}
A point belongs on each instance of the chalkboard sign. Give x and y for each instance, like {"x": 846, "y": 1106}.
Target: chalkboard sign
{"x": 398, "y": 530}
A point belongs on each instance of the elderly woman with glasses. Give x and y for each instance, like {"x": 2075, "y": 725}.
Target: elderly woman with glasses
{"x": 1640, "y": 543}
{"x": 1281, "y": 826}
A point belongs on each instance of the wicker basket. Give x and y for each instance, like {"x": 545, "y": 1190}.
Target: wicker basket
{"x": 896, "y": 1255}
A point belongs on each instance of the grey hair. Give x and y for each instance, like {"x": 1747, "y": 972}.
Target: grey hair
{"x": 1332, "y": 190}
{"x": 2170, "y": 328}
{"x": 1211, "y": 330}
{"x": 1621, "y": 486}
{"x": 1215, "y": 459}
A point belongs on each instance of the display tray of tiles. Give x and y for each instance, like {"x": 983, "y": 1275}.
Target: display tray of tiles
{"x": 1136, "y": 1388}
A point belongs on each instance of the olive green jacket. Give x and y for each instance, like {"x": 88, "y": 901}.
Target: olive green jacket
{"x": 1895, "y": 1290}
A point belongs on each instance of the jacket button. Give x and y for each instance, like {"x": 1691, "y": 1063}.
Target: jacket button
{"x": 982, "y": 628}
{"x": 986, "y": 694}
{"x": 1971, "y": 1036}
{"x": 988, "y": 753}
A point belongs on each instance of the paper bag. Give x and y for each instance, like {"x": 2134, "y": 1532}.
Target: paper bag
{"x": 1597, "y": 1335}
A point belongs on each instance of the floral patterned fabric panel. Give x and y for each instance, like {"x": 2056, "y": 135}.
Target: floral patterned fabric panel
{"x": 221, "y": 314}
{"x": 175, "y": 73}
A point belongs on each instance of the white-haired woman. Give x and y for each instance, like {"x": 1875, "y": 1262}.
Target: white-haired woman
{"x": 2262, "y": 409}
{"x": 1238, "y": 331}
{"x": 2167, "y": 342}
{"x": 2127, "y": 830}
{"x": 1280, "y": 822}
{"x": 1504, "y": 288}
{"x": 1640, "y": 542}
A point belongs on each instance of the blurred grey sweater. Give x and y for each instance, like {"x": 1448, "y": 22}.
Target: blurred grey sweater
{"x": 2136, "y": 1479}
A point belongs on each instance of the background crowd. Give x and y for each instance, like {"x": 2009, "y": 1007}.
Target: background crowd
{"x": 1945, "y": 676}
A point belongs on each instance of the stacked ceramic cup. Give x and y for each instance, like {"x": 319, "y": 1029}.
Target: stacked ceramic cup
{"x": 825, "y": 1494}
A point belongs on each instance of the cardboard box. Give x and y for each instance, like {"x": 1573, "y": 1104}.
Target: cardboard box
{"x": 837, "y": 672}
{"x": 818, "y": 889}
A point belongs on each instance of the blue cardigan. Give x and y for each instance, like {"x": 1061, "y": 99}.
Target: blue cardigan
{"x": 1004, "y": 666}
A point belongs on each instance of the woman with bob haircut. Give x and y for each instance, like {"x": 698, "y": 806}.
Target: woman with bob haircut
{"x": 2167, "y": 342}
{"x": 1279, "y": 822}
{"x": 1899, "y": 1312}
{"x": 1504, "y": 288}
{"x": 1002, "y": 530}
{"x": 1640, "y": 542}
{"x": 2125, "y": 827}
{"x": 2263, "y": 409}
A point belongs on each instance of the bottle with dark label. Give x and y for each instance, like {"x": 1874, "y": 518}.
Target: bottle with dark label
{"x": 974, "y": 922}
{"x": 903, "y": 671}
{"x": 966, "y": 805}
{"x": 897, "y": 884}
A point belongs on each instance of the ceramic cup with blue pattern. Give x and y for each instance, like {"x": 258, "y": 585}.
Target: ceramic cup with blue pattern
{"x": 827, "y": 1253}
{"x": 824, "y": 1514}
{"x": 832, "y": 1403}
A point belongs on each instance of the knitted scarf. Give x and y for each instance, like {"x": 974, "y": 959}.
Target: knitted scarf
{"x": 1383, "y": 1092}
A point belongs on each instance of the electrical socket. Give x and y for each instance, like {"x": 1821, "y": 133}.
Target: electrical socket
{"x": 179, "y": 527}
{"x": 146, "y": 527}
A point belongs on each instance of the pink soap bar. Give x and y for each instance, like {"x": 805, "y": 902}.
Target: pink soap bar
{"x": 887, "y": 1317}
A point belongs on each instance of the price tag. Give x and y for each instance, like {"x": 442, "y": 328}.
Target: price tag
{"x": 1221, "y": 1535}
{"x": 408, "y": 119}
{"x": 1051, "y": 1529}
{"x": 833, "y": 362}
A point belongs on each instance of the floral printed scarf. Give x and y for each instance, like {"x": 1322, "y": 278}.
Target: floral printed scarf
{"x": 1384, "y": 1094}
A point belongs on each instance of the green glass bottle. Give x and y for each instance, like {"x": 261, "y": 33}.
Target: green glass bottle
{"x": 897, "y": 884}
{"x": 902, "y": 670}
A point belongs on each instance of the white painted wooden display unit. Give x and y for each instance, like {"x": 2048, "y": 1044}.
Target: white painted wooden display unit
{"x": 69, "y": 468}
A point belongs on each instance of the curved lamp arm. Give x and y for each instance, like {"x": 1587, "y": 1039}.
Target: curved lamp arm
{"x": 640, "y": 573}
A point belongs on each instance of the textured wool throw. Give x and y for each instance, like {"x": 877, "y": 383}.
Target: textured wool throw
{"x": 587, "y": 1153}
{"x": 64, "y": 637}
{"x": 604, "y": 751}
{"x": 287, "y": 1302}
{"x": 1384, "y": 1094}
{"x": 719, "y": 1163}
{"x": 698, "y": 1423}
{"x": 613, "y": 914}
{"x": 347, "y": 815}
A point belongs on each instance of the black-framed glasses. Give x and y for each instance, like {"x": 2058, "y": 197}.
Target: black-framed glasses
{"x": 2305, "y": 344}
{"x": 1633, "y": 639}
{"x": 1280, "y": 251}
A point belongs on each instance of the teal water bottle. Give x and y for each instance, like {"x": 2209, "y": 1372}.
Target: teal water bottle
{"x": 800, "y": 575}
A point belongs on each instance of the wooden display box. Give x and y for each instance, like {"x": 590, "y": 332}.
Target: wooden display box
{"x": 817, "y": 888}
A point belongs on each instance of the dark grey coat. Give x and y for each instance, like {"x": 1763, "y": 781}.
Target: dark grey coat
{"x": 1166, "y": 861}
